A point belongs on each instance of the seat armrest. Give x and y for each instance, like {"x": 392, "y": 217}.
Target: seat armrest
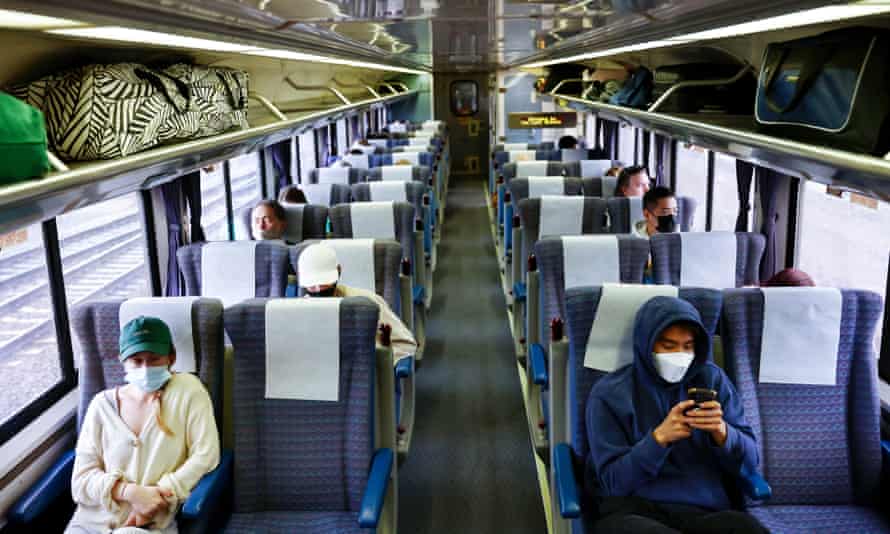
{"x": 419, "y": 294}
{"x": 375, "y": 491}
{"x": 753, "y": 485}
{"x": 405, "y": 367}
{"x": 53, "y": 483}
{"x": 538, "y": 363}
{"x": 519, "y": 291}
{"x": 210, "y": 488}
{"x": 885, "y": 456}
{"x": 564, "y": 475}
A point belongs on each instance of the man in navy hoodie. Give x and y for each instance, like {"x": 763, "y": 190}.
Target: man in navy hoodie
{"x": 659, "y": 460}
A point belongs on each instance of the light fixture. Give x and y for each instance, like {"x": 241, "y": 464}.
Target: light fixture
{"x": 302, "y": 56}
{"x": 132, "y": 35}
{"x": 28, "y": 21}
{"x": 807, "y": 17}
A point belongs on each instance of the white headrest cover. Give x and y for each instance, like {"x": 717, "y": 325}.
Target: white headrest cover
{"x": 511, "y": 147}
{"x": 635, "y": 210}
{"x": 561, "y": 215}
{"x": 590, "y": 260}
{"x": 801, "y": 335}
{"x": 382, "y": 143}
{"x": 524, "y": 169}
{"x": 595, "y": 168}
{"x": 610, "y": 345}
{"x": 708, "y": 259}
{"x": 356, "y": 259}
{"x": 398, "y": 127}
{"x": 414, "y": 148}
{"x": 422, "y": 141}
{"x": 397, "y": 173}
{"x": 319, "y": 194}
{"x": 388, "y": 191}
{"x": 373, "y": 219}
{"x": 358, "y": 161}
{"x": 539, "y": 186}
{"x": 176, "y": 312}
{"x": 303, "y": 349}
{"x": 228, "y": 271}
{"x": 333, "y": 175}
{"x": 522, "y": 155}
{"x": 573, "y": 154}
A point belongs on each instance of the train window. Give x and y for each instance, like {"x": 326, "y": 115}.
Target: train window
{"x": 464, "y": 98}
{"x": 306, "y": 147}
{"x": 333, "y": 139}
{"x": 322, "y": 146}
{"x": 843, "y": 239}
{"x": 29, "y": 354}
{"x": 726, "y": 196}
{"x": 342, "y": 141}
{"x": 244, "y": 175}
{"x": 354, "y": 128}
{"x": 626, "y": 145}
{"x": 692, "y": 179}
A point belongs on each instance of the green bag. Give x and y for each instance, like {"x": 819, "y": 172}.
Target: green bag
{"x": 22, "y": 141}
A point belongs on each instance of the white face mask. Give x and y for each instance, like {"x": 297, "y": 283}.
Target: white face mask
{"x": 672, "y": 366}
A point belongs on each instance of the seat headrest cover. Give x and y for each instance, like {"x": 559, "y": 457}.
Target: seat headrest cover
{"x": 609, "y": 185}
{"x": 573, "y": 154}
{"x": 610, "y": 345}
{"x": 356, "y": 260}
{"x": 511, "y": 147}
{"x": 398, "y": 127}
{"x": 801, "y": 335}
{"x": 176, "y": 312}
{"x": 539, "y": 186}
{"x": 319, "y": 194}
{"x": 414, "y": 148}
{"x": 388, "y": 191}
{"x": 382, "y": 143}
{"x": 590, "y": 260}
{"x": 397, "y": 173}
{"x": 561, "y": 215}
{"x": 595, "y": 168}
{"x": 228, "y": 271}
{"x": 635, "y": 210}
{"x": 708, "y": 259}
{"x": 522, "y": 155}
{"x": 294, "y": 231}
{"x": 358, "y": 161}
{"x": 373, "y": 219}
{"x": 524, "y": 169}
{"x": 333, "y": 175}
{"x": 303, "y": 349}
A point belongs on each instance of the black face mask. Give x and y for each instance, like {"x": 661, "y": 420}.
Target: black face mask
{"x": 666, "y": 224}
{"x": 329, "y": 292}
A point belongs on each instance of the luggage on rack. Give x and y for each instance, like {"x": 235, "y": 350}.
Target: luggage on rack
{"x": 831, "y": 89}
{"x": 22, "y": 141}
{"x": 217, "y": 97}
{"x": 636, "y": 92}
{"x": 735, "y": 98}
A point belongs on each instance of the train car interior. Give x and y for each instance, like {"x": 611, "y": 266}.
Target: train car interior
{"x": 434, "y": 266}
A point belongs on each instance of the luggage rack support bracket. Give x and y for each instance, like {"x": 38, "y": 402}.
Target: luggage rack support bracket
{"x": 340, "y": 96}
{"x": 266, "y": 103}
{"x": 697, "y": 83}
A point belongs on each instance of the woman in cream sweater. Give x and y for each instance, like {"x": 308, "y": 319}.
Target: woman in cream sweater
{"x": 144, "y": 446}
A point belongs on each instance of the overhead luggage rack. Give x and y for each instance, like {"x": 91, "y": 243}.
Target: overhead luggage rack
{"x": 85, "y": 183}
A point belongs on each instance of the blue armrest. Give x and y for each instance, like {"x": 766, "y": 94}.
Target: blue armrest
{"x": 210, "y": 488}
{"x": 53, "y": 483}
{"x": 419, "y": 295}
{"x": 569, "y": 504}
{"x": 754, "y": 485}
{"x": 375, "y": 491}
{"x": 519, "y": 291}
{"x": 508, "y": 228}
{"x": 405, "y": 367}
{"x": 538, "y": 361}
{"x": 885, "y": 455}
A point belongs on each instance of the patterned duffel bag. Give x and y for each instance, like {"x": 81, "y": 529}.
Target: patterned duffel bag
{"x": 218, "y": 98}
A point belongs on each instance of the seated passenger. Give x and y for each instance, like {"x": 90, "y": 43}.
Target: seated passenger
{"x": 268, "y": 220}
{"x": 567, "y": 142}
{"x": 659, "y": 458}
{"x": 632, "y": 182}
{"x": 121, "y": 481}
{"x": 356, "y": 152}
{"x": 789, "y": 278}
{"x": 660, "y": 211}
{"x": 402, "y": 162}
{"x": 292, "y": 195}
{"x": 319, "y": 274}
{"x": 340, "y": 164}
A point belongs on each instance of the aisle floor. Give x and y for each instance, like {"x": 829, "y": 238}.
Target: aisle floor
{"x": 471, "y": 466}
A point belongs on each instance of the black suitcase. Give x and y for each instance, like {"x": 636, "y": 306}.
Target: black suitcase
{"x": 736, "y": 98}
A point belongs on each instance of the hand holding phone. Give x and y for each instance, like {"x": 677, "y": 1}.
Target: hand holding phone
{"x": 706, "y": 414}
{"x": 700, "y": 396}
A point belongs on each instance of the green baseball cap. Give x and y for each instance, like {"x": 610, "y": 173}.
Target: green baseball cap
{"x": 145, "y": 334}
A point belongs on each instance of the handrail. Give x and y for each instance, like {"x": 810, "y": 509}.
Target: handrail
{"x": 335, "y": 92}
{"x": 372, "y": 91}
{"x": 266, "y": 103}
{"x": 32, "y": 201}
{"x": 698, "y": 83}
{"x": 562, "y": 82}
{"x": 823, "y": 164}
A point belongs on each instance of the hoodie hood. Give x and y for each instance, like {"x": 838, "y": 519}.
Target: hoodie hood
{"x": 653, "y": 318}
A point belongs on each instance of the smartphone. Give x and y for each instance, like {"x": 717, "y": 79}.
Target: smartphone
{"x": 700, "y": 395}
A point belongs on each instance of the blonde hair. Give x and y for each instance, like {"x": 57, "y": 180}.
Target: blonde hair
{"x": 402, "y": 162}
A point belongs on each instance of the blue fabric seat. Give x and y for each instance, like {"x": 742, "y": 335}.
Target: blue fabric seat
{"x": 294, "y": 522}
{"x": 667, "y": 253}
{"x": 820, "y": 445}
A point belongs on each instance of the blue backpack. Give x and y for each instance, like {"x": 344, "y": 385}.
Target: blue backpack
{"x": 637, "y": 91}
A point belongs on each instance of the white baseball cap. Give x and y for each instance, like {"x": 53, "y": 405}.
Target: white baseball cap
{"x": 317, "y": 266}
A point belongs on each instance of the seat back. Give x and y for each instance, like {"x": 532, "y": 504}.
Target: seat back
{"x": 540, "y": 167}
{"x": 302, "y": 455}
{"x": 326, "y": 194}
{"x": 410, "y": 192}
{"x": 533, "y": 212}
{"x": 399, "y": 173}
{"x": 422, "y": 159}
{"x": 304, "y": 221}
{"x": 336, "y": 175}
{"x": 819, "y": 444}
{"x": 508, "y": 147}
{"x": 633, "y": 253}
{"x": 708, "y": 257}
{"x": 624, "y": 212}
{"x": 400, "y": 219}
{"x": 358, "y": 161}
{"x": 196, "y": 325}
{"x": 502, "y": 158}
{"x": 269, "y": 269}
{"x": 588, "y": 168}
{"x": 603, "y": 187}
{"x": 374, "y": 269}
{"x": 534, "y": 187}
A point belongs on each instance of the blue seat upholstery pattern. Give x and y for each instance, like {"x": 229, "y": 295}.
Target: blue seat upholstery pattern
{"x": 301, "y": 466}
{"x": 667, "y": 251}
{"x": 414, "y": 192}
{"x": 403, "y": 215}
{"x": 418, "y": 174}
{"x": 819, "y": 445}
{"x": 593, "y": 222}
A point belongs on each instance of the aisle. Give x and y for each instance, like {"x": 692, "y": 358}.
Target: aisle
{"x": 471, "y": 468}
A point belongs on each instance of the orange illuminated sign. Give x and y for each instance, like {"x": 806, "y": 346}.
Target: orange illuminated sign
{"x": 542, "y": 120}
